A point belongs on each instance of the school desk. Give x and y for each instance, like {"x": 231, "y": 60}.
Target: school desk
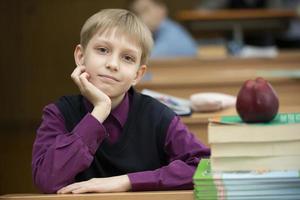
{"x": 284, "y": 57}
{"x": 155, "y": 195}
{"x": 236, "y": 20}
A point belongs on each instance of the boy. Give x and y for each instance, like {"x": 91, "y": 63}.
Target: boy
{"x": 111, "y": 138}
{"x": 170, "y": 38}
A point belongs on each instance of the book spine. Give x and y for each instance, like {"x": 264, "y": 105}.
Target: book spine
{"x": 255, "y": 149}
{"x": 255, "y": 163}
{"x": 232, "y": 134}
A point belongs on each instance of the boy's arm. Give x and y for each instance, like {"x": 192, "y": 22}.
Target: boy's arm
{"x": 58, "y": 156}
{"x": 101, "y": 102}
{"x": 184, "y": 151}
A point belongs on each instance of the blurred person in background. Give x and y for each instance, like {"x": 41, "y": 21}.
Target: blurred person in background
{"x": 170, "y": 38}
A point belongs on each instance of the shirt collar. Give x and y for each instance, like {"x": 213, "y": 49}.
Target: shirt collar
{"x": 120, "y": 112}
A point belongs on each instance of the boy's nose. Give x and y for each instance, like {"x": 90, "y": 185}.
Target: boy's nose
{"x": 112, "y": 63}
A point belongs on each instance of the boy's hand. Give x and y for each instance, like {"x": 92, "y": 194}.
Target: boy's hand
{"x": 111, "y": 184}
{"x": 101, "y": 102}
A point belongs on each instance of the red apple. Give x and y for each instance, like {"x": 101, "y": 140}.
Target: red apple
{"x": 257, "y": 101}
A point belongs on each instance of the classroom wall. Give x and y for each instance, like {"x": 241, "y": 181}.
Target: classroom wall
{"x": 37, "y": 42}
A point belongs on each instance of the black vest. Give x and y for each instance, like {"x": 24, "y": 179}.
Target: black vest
{"x": 141, "y": 144}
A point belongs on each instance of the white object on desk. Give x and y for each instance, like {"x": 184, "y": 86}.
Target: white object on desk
{"x": 258, "y": 52}
{"x": 211, "y": 101}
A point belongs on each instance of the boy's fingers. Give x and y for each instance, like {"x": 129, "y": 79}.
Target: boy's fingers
{"x": 75, "y": 75}
{"x": 78, "y": 70}
{"x": 81, "y": 190}
{"x": 83, "y": 78}
{"x": 85, "y": 75}
{"x": 69, "y": 188}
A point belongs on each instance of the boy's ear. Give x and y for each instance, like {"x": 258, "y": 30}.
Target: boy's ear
{"x": 139, "y": 74}
{"x": 79, "y": 55}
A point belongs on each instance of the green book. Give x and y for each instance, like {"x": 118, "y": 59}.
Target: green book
{"x": 203, "y": 172}
{"x": 280, "y": 119}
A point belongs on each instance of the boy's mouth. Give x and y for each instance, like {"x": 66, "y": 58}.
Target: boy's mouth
{"x": 108, "y": 77}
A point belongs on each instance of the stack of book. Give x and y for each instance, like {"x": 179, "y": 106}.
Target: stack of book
{"x": 251, "y": 161}
{"x": 240, "y": 185}
{"x": 236, "y": 145}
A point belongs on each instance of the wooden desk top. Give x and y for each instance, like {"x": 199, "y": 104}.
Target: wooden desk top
{"x": 194, "y": 71}
{"x": 234, "y": 14}
{"x": 284, "y": 57}
{"x": 215, "y": 77}
{"x": 157, "y": 195}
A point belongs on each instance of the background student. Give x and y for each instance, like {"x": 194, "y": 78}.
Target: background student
{"x": 170, "y": 38}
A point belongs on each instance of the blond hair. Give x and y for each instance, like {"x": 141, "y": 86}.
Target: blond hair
{"x": 125, "y": 22}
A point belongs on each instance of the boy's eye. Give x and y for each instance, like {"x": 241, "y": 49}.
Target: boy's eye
{"x": 129, "y": 58}
{"x": 103, "y": 50}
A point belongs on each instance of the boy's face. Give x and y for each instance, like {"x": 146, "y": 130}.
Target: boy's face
{"x": 113, "y": 62}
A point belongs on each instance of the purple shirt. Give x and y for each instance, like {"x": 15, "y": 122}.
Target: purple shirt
{"x": 58, "y": 156}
